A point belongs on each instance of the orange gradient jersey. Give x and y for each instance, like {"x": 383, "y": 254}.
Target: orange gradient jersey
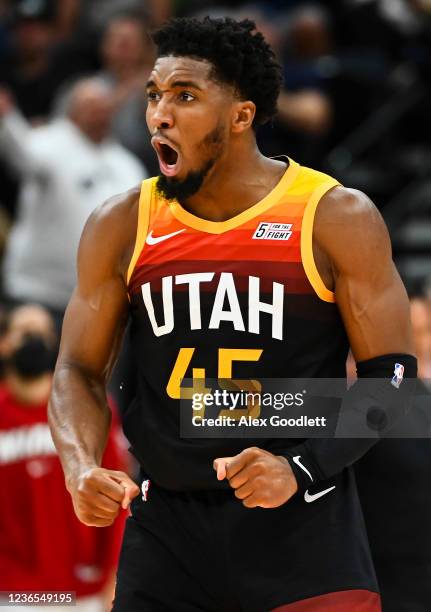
{"x": 240, "y": 298}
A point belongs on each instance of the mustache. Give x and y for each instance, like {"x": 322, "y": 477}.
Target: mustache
{"x": 161, "y": 134}
{"x": 215, "y": 137}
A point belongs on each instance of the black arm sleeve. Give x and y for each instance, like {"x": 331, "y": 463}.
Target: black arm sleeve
{"x": 373, "y": 406}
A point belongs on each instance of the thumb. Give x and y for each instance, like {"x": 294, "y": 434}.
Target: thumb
{"x": 220, "y": 466}
{"x": 131, "y": 489}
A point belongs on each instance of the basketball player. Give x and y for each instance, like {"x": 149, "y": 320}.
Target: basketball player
{"x": 222, "y": 524}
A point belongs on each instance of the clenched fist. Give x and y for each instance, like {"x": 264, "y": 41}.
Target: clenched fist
{"x": 258, "y": 477}
{"x": 98, "y": 494}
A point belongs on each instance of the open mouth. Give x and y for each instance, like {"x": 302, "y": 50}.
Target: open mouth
{"x": 168, "y": 157}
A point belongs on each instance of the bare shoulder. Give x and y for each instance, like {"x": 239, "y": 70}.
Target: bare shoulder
{"x": 345, "y": 206}
{"x": 347, "y": 224}
{"x": 111, "y": 229}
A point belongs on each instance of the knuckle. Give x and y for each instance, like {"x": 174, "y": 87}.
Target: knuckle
{"x": 90, "y": 474}
{"x": 82, "y": 490}
{"x": 86, "y": 483}
{"x": 260, "y": 482}
{"x": 258, "y": 466}
{"x": 120, "y": 474}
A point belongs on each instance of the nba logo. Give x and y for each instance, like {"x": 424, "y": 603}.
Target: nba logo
{"x": 144, "y": 488}
{"x": 398, "y": 375}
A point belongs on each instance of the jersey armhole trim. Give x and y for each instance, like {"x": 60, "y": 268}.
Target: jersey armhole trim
{"x": 307, "y": 254}
{"x": 144, "y": 208}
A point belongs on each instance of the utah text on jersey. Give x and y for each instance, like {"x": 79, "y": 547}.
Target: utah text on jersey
{"x": 226, "y": 306}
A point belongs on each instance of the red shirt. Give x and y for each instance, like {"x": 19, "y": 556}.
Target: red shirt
{"x": 43, "y": 546}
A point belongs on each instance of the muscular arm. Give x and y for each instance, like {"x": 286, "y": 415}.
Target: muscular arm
{"x": 351, "y": 234}
{"x": 353, "y": 248}
{"x": 353, "y": 255}
{"x": 94, "y": 323}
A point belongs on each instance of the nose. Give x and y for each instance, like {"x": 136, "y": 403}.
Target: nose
{"x": 163, "y": 118}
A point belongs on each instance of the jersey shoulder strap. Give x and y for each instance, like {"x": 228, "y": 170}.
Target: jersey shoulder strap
{"x": 309, "y": 188}
{"x": 309, "y": 181}
{"x": 148, "y": 202}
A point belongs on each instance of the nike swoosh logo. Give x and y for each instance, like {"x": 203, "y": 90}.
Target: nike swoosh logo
{"x": 156, "y": 239}
{"x": 311, "y": 498}
{"x": 303, "y": 468}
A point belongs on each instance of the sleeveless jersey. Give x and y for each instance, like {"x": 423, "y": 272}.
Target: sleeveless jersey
{"x": 240, "y": 298}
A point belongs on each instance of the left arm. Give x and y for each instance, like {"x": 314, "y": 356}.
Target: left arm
{"x": 369, "y": 292}
{"x": 351, "y": 240}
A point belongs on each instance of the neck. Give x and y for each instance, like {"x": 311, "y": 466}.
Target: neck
{"x": 238, "y": 180}
{"x": 31, "y": 392}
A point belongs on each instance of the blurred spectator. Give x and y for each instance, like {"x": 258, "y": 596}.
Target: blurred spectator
{"x": 270, "y": 7}
{"x": 36, "y": 57}
{"x": 406, "y": 15}
{"x": 300, "y": 36}
{"x": 5, "y": 9}
{"x": 127, "y": 58}
{"x": 308, "y": 40}
{"x": 382, "y": 68}
{"x": 67, "y": 16}
{"x": 305, "y": 104}
{"x": 160, "y": 11}
{"x": 97, "y": 14}
{"x": 33, "y": 68}
{"x": 43, "y": 546}
{"x": 305, "y": 109}
{"x": 127, "y": 51}
{"x": 68, "y": 168}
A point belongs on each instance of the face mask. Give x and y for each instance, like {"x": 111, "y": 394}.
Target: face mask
{"x": 33, "y": 357}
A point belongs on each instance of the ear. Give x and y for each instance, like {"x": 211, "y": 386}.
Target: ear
{"x": 242, "y": 116}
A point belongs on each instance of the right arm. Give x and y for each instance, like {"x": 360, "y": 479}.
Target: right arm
{"x": 14, "y": 136}
{"x": 93, "y": 327}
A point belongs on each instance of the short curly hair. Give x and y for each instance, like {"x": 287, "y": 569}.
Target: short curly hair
{"x": 240, "y": 57}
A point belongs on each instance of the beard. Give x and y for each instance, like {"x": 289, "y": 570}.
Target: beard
{"x": 172, "y": 189}
{"x": 180, "y": 190}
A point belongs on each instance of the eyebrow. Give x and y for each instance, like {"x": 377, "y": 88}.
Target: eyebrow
{"x": 174, "y": 84}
